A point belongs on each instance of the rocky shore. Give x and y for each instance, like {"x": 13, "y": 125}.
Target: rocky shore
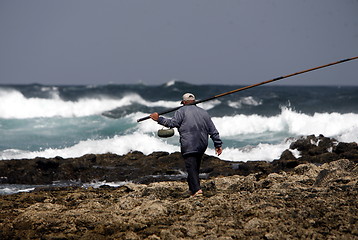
{"x": 310, "y": 197}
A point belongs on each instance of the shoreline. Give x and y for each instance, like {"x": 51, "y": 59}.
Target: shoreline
{"x": 139, "y": 168}
{"x": 312, "y": 197}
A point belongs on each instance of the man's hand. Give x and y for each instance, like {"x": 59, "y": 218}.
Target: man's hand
{"x": 218, "y": 150}
{"x": 154, "y": 116}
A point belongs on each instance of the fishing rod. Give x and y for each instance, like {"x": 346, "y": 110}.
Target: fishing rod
{"x": 254, "y": 85}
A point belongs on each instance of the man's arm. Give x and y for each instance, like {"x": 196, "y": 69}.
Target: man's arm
{"x": 168, "y": 122}
{"x": 214, "y": 135}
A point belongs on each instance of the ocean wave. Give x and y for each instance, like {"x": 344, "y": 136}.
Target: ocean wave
{"x": 250, "y": 101}
{"x": 260, "y": 152}
{"x": 147, "y": 144}
{"x": 16, "y": 106}
{"x": 245, "y": 137}
{"x": 251, "y": 126}
{"x": 119, "y": 145}
{"x": 290, "y": 122}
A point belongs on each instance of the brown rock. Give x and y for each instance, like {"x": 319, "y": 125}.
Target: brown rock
{"x": 310, "y": 202}
{"x": 162, "y": 166}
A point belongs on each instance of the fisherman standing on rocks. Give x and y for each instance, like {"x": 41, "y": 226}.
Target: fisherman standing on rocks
{"x": 194, "y": 125}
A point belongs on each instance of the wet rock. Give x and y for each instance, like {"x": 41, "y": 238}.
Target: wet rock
{"x": 322, "y": 149}
{"x": 345, "y": 147}
{"x": 162, "y": 166}
{"x": 287, "y": 155}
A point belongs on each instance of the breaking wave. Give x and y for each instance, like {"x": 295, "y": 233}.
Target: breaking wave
{"x": 245, "y": 137}
{"x": 15, "y": 105}
{"x": 69, "y": 121}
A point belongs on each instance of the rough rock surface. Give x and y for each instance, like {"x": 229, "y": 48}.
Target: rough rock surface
{"x": 162, "y": 166}
{"x": 310, "y": 202}
{"x": 313, "y": 196}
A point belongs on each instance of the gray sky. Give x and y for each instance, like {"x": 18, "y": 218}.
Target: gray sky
{"x": 156, "y": 41}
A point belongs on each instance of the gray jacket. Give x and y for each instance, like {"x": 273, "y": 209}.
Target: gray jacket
{"x": 194, "y": 125}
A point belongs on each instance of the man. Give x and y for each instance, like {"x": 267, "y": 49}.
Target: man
{"x": 194, "y": 125}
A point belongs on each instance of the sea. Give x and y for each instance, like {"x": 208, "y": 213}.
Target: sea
{"x": 255, "y": 124}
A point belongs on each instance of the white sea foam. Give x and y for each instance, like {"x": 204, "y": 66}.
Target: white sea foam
{"x": 209, "y": 105}
{"x": 145, "y": 140}
{"x": 261, "y": 152}
{"x": 147, "y": 144}
{"x": 251, "y": 101}
{"x": 142, "y": 136}
{"x": 15, "y": 105}
{"x": 170, "y": 83}
{"x": 343, "y": 127}
{"x": 118, "y": 145}
{"x": 294, "y": 123}
{"x": 12, "y": 189}
{"x": 349, "y": 136}
{"x": 7, "y": 189}
{"x": 97, "y": 184}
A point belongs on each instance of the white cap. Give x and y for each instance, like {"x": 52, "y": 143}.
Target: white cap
{"x": 188, "y": 97}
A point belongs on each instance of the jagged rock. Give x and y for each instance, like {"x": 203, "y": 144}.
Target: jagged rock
{"x": 311, "y": 197}
{"x": 287, "y": 155}
{"x": 162, "y": 166}
{"x": 345, "y": 147}
{"x": 310, "y": 202}
{"x": 322, "y": 149}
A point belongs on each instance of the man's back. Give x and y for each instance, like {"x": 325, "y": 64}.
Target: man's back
{"x": 194, "y": 125}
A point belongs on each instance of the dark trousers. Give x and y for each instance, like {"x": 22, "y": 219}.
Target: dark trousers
{"x": 192, "y": 165}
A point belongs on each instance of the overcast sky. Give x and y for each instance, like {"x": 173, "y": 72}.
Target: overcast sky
{"x": 156, "y": 41}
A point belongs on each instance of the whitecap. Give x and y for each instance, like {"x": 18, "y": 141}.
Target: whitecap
{"x": 16, "y": 106}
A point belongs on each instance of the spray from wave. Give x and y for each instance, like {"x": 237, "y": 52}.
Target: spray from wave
{"x": 15, "y": 105}
{"x": 290, "y": 121}
{"x": 245, "y": 137}
{"x": 69, "y": 121}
